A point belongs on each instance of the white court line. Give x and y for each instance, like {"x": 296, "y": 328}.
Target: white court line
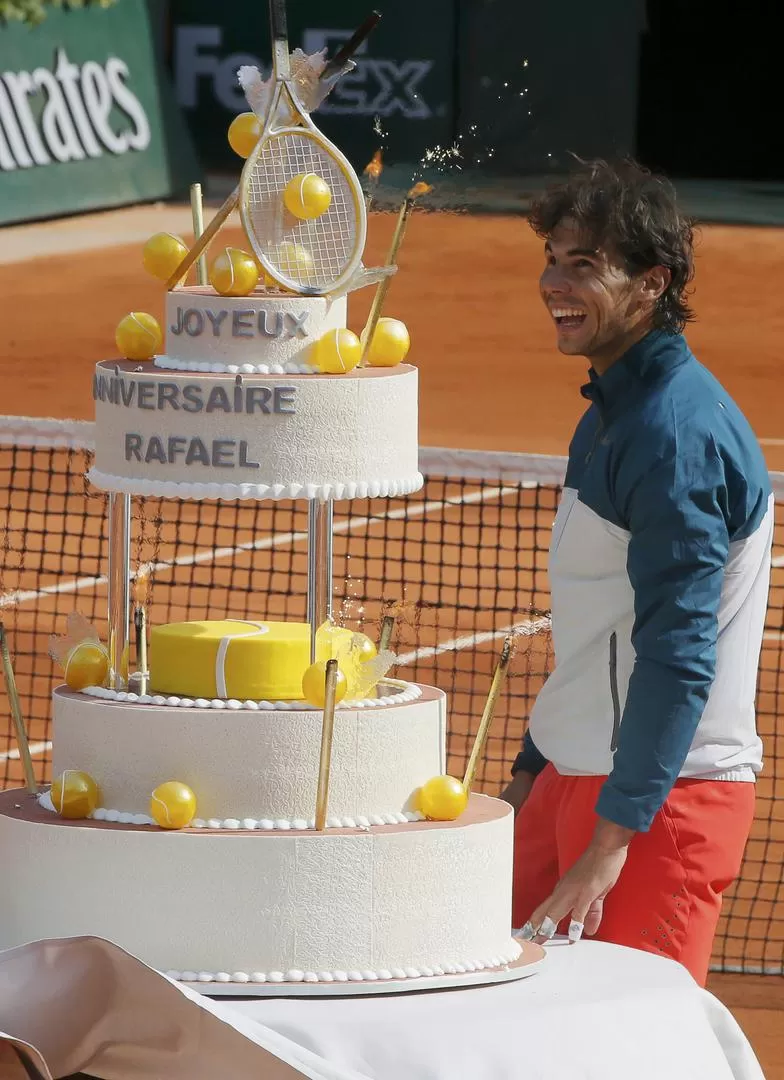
{"x": 92, "y": 232}
{"x": 747, "y": 969}
{"x": 35, "y": 748}
{"x": 771, "y": 442}
{"x": 527, "y": 627}
{"x": 276, "y": 540}
{"x": 777, "y": 561}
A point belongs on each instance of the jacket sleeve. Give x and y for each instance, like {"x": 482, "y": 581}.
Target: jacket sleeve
{"x": 529, "y": 759}
{"x": 678, "y": 549}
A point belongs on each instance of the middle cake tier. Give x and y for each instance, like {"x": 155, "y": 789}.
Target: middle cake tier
{"x": 192, "y": 435}
{"x": 254, "y": 765}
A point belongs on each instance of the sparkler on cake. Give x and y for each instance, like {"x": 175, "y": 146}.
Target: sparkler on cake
{"x": 373, "y": 172}
{"x": 444, "y": 798}
{"x": 20, "y": 730}
{"x": 392, "y": 340}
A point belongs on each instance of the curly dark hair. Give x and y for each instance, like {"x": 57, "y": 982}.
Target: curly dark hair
{"x": 629, "y": 209}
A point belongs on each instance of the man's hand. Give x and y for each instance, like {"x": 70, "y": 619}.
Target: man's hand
{"x": 581, "y": 891}
{"x": 518, "y": 790}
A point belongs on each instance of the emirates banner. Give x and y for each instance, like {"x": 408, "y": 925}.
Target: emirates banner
{"x": 87, "y": 116}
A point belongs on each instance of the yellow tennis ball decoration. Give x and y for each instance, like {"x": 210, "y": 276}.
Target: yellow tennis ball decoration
{"x": 75, "y": 794}
{"x": 293, "y": 259}
{"x": 271, "y": 283}
{"x": 307, "y": 196}
{"x": 87, "y": 664}
{"x": 138, "y": 336}
{"x": 390, "y": 343}
{"x": 173, "y": 805}
{"x": 443, "y": 798}
{"x": 336, "y": 352}
{"x": 314, "y": 684}
{"x": 365, "y": 647}
{"x": 234, "y": 273}
{"x": 162, "y": 254}
{"x": 244, "y": 133}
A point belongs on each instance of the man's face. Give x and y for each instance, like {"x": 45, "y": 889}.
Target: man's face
{"x": 595, "y": 305}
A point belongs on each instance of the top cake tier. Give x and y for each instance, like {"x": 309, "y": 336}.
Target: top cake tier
{"x": 264, "y": 333}
{"x": 232, "y": 411}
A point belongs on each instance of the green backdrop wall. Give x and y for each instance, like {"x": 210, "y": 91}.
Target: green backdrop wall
{"x": 87, "y": 115}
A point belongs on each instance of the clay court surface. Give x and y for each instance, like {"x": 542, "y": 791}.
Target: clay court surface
{"x": 490, "y": 378}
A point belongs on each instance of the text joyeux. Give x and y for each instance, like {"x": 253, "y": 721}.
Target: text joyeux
{"x": 244, "y": 323}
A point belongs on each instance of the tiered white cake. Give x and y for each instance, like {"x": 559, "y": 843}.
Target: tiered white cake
{"x": 250, "y": 892}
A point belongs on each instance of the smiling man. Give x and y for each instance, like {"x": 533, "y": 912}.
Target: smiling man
{"x": 634, "y": 789}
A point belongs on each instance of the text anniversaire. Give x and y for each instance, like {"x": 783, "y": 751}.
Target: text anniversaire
{"x": 194, "y": 397}
{"x": 279, "y": 324}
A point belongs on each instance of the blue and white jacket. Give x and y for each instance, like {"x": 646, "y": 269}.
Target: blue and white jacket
{"x": 659, "y": 573}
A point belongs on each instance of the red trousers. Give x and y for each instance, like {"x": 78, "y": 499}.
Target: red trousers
{"x": 668, "y": 897}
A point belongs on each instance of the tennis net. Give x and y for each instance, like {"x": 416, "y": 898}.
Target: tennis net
{"x": 461, "y": 564}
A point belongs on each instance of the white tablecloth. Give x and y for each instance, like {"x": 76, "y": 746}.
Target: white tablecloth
{"x": 592, "y": 1012}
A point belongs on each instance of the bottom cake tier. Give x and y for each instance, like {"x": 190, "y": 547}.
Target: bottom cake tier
{"x": 347, "y": 905}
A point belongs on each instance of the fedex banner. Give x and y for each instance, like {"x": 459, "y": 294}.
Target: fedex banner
{"x": 404, "y": 80}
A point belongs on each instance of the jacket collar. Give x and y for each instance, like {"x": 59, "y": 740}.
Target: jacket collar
{"x": 651, "y": 359}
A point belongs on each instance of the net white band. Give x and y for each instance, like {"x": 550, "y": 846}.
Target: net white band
{"x": 524, "y": 469}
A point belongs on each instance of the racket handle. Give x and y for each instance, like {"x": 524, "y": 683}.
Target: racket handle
{"x": 181, "y": 272}
{"x": 278, "y": 21}
{"x": 350, "y": 47}
{"x": 279, "y": 33}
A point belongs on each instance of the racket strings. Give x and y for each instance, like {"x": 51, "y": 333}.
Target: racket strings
{"x": 329, "y": 242}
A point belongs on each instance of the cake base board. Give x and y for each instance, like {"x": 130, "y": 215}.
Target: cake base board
{"x": 527, "y": 964}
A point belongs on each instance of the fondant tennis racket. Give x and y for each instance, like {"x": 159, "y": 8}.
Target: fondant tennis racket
{"x": 332, "y": 68}
{"x": 314, "y": 256}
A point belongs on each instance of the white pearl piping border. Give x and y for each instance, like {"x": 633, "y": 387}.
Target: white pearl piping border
{"x": 382, "y": 975}
{"x": 362, "y": 489}
{"x": 173, "y": 363}
{"x": 410, "y": 692}
{"x": 361, "y": 821}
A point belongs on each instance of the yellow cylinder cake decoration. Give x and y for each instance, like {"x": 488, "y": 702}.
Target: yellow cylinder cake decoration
{"x": 231, "y": 658}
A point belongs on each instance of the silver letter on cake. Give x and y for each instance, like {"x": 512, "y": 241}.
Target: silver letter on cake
{"x": 133, "y": 447}
{"x": 216, "y": 320}
{"x": 284, "y": 395}
{"x": 298, "y": 324}
{"x": 193, "y": 322}
{"x": 240, "y": 327}
{"x": 277, "y": 330}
